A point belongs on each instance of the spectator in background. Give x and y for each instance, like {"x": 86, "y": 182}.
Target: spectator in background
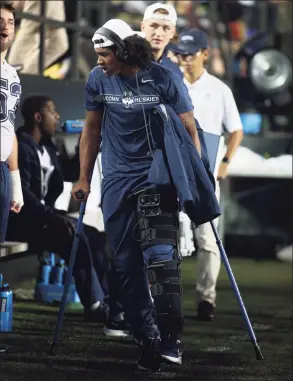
{"x": 214, "y": 107}
{"x": 26, "y": 49}
{"x": 159, "y": 28}
{"x": 39, "y": 223}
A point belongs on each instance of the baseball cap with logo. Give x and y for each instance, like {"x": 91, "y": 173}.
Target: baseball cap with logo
{"x": 120, "y": 27}
{"x": 150, "y": 13}
{"x": 191, "y": 41}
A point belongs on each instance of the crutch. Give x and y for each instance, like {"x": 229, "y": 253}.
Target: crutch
{"x": 52, "y": 351}
{"x": 213, "y": 145}
{"x": 258, "y": 353}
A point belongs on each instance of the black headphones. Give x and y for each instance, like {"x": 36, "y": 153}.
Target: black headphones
{"x": 121, "y": 52}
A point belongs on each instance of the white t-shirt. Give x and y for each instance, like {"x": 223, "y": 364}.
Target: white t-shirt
{"x": 10, "y": 92}
{"x": 47, "y": 169}
{"x": 214, "y": 104}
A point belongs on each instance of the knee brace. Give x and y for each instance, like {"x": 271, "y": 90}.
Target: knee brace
{"x": 156, "y": 227}
{"x": 159, "y": 227}
{"x": 166, "y": 290}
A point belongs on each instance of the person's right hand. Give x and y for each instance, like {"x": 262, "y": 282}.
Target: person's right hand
{"x": 81, "y": 186}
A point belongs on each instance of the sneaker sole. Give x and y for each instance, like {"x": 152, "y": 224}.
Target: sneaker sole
{"x": 3, "y": 349}
{"x": 115, "y": 332}
{"x": 139, "y": 367}
{"x": 174, "y": 360}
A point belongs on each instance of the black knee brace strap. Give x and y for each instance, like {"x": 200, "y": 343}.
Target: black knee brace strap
{"x": 164, "y": 278}
{"x": 156, "y": 227}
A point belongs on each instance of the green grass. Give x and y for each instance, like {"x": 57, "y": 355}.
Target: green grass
{"x": 217, "y": 351}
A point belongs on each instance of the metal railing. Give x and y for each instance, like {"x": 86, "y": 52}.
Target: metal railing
{"x": 102, "y": 7}
{"x": 75, "y": 26}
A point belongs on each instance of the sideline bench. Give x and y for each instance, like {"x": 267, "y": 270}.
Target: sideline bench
{"x": 11, "y": 248}
{"x": 17, "y": 263}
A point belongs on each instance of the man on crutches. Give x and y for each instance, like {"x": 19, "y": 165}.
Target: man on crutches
{"x": 139, "y": 202}
{"x": 150, "y": 161}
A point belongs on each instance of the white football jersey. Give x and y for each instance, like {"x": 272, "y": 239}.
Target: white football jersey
{"x": 10, "y": 92}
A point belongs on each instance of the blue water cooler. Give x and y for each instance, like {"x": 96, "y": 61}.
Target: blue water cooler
{"x": 50, "y": 282}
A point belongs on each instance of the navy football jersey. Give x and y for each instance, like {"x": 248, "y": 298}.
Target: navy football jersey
{"x": 125, "y": 145}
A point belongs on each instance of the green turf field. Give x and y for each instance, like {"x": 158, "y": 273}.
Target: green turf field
{"x": 217, "y": 351}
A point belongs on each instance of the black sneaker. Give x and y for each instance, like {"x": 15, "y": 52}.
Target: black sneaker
{"x": 205, "y": 311}
{"x": 150, "y": 355}
{"x": 114, "y": 328}
{"x": 3, "y": 348}
{"x": 99, "y": 315}
{"x": 170, "y": 350}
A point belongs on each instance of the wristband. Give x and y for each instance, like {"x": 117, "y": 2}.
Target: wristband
{"x": 15, "y": 188}
{"x": 226, "y": 160}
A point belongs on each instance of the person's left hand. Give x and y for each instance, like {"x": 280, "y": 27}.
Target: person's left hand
{"x": 16, "y": 197}
{"x": 223, "y": 171}
{"x": 14, "y": 207}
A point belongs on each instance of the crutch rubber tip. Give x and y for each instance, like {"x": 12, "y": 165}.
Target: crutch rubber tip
{"x": 258, "y": 353}
{"x": 53, "y": 350}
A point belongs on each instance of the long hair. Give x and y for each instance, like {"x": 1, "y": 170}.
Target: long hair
{"x": 139, "y": 51}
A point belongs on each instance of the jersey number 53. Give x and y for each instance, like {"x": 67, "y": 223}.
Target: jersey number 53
{"x": 14, "y": 90}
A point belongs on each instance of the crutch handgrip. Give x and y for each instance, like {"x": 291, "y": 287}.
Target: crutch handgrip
{"x": 80, "y": 194}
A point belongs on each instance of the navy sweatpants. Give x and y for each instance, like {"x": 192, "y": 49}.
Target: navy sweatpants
{"x": 4, "y": 199}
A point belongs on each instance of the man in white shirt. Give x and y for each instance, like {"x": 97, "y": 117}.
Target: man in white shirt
{"x": 214, "y": 106}
{"x": 10, "y": 90}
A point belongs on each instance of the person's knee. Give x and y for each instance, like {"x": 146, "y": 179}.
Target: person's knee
{"x": 158, "y": 253}
{"x": 206, "y": 241}
{"x": 208, "y": 249}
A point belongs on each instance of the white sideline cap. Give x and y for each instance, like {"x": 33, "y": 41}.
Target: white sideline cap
{"x": 120, "y": 27}
{"x": 151, "y": 9}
